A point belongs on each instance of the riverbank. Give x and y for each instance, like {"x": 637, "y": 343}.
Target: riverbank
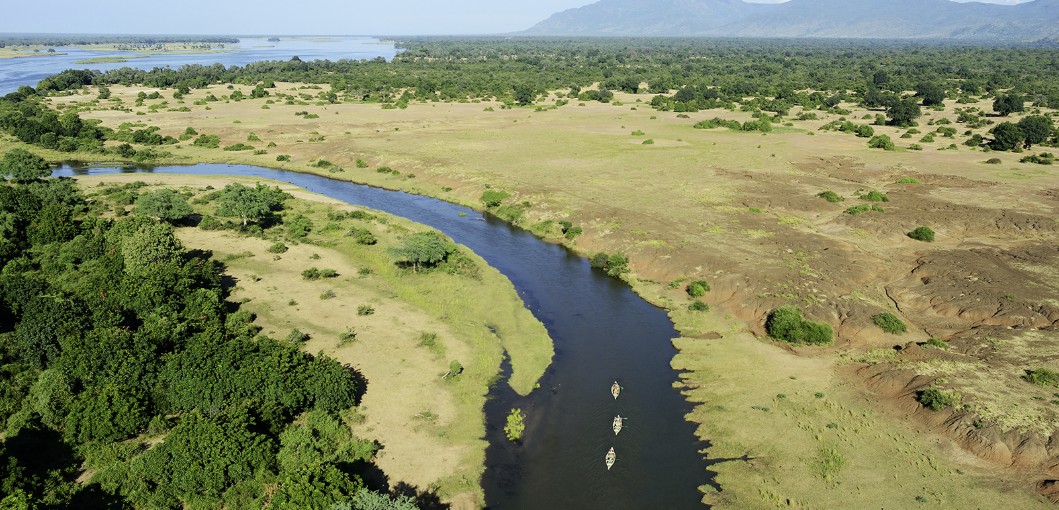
{"x": 737, "y": 209}
{"x": 399, "y": 331}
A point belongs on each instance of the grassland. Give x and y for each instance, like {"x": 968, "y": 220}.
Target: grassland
{"x": 430, "y": 427}
{"x": 741, "y": 211}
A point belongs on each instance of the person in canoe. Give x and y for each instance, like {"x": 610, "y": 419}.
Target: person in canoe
{"x": 615, "y": 390}
{"x": 617, "y": 424}
{"x": 611, "y": 458}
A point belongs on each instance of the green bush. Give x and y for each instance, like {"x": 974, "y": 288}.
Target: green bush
{"x": 296, "y": 336}
{"x": 697, "y": 288}
{"x": 362, "y": 236}
{"x": 516, "y": 425}
{"x": 864, "y": 208}
{"x": 909, "y": 180}
{"x": 881, "y": 142}
{"x": 1042, "y": 377}
{"x": 875, "y": 196}
{"x": 239, "y": 147}
{"x": 283, "y": 157}
{"x": 889, "y": 323}
{"x": 831, "y": 196}
{"x": 936, "y": 399}
{"x": 924, "y": 234}
{"x": 940, "y": 344}
{"x": 278, "y": 247}
{"x": 788, "y": 324}
{"x": 493, "y": 198}
{"x": 364, "y": 310}
{"x": 614, "y": 264}
{"x": 699, "y": 306}
{"x": 993, "y": 161}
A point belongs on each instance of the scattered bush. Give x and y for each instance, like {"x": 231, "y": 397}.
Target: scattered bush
{"x": 364, "y": 310}
{"x": 297, "y": 337}
{"x": 881, "y": 142}
{"x": 788, "y": 324}
{"x": 1042, "y": 377}
{"x": 283, "y": 157}
{"x": 831, "y": 196}
{"x": 864, "y": 208}
{"x": 937, "y": 343}
{"x": 614, "y": 264}
{"x": 936, "y": 399}
{"x": 492, "y": 198}
{"x": 698, "y": 306}
{"x": 909, "y": 180}
{"x": 993, "y": 161}
{"x": 697, "y": 288}
{"x": 889, "y": 323}
{"x": 362, "y": 236}
{"x": 924, "y": 234}
{"x": 278, "y": 247}
{"x": 1044, "y": 158}
{"x": 239, "y": 147}
{"x": 515, "y": 425}
{"x": 875, "y": 196}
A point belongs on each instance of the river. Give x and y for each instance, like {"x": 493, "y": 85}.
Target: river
{"x": 16, "y": 72}
{"x": 603, "y": 333}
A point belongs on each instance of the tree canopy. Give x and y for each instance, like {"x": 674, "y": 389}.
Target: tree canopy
{"x": 22, "y": 165}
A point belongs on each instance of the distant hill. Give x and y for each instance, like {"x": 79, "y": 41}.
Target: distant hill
{"x": 902, "y": 19}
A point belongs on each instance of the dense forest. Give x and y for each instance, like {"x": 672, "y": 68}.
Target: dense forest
{"x": 130, "y": 382}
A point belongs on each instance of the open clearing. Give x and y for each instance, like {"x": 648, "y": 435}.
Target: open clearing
{"x": 430, "y": 428}
{"x": 740, "y": 210}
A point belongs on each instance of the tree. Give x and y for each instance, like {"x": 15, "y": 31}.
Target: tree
{"x": 164, "y": 204}
{"x": 1006, "y": 137}
{"x": 424, "y": 249}
{"x": 1036, "y": 129}
{"x": 931, "y": 93}
{"x": 524, "y": 94}
{"x": 250, "y": 203}
{"x": 903, "y": 112}
{"x": 24, "y": 166}
{"x": 150, "y": 245}
{"x": 1008, "y": 104}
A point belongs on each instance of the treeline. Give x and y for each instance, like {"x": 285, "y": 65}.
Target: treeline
{"x": 121, "y": 356}
{"x": 75, "y": 39}
{"x": 488, "y": 68}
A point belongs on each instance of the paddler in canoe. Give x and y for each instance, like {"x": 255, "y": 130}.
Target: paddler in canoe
{"x": 617, "y": 424}
{"x": 615, "y": 390}
{"x": 611, "y": 457}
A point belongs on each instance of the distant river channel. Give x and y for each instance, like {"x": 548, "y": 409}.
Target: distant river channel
{"x": 603, "y": 333}
{"x": 16, "y": 72}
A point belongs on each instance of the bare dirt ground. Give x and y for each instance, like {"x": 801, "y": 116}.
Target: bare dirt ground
{"x": 740, "y": 210}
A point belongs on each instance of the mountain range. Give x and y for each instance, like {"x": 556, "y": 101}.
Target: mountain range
{"x": 890, "y": 19}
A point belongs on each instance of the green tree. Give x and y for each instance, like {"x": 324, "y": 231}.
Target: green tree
{"x": 931, "y": 93}
{"x": 24, "y": 166}
{"x": 1008, "y": 104}
{"x": 1036, "y": 129}
{"x": 250, "y": 204}
{"x": 788, "y": 324}
{"x": 425, "y": 249}
{"x": 164, "y": 204}
{"x": 1007, "y": 137}
{"x": 318, "y": 440}
{"x": 109, "y": 413}
{"x": 150, "y": 245}
{"x": 903, "y": 112}
{"x": 524, "y": 94}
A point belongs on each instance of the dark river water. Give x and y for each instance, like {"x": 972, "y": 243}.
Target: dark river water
{"x": 603, "y": 333}
{"x": 15, "y": 72}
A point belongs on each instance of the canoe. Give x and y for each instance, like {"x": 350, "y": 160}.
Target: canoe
{"x": 615, "y": 390}
{"x": 611, "y": 457}
{"x": 617, "y": 424}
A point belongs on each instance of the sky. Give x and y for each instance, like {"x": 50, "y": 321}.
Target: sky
{"x": 284, "y": 17}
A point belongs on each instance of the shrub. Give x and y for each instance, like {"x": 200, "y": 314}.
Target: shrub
{"x": 207, "y": 141}
{"x": 364, "y": 310}
{"x": 330, "y": 294}
{"x": 993, "y": 161}
{"x": 881, "y": 142}
{"x": 936, "y": 399}
{"x": 347, "y": 336}
{"x": 362, "y": 236}
{"x": 1045, "y": 158}
{"x": 361, "y": 163}
{"x": 864, "y": 208}
{"x": 699, "y": 306}
{"x": 278, "y": 247}
{"x": 788, "y": 324}
{"x": 297, "y": 337}
{"x": 648, "y": 141}
{"x": 924, "y": 234}
{"x": 311, "y": 274}
{"x": 455, "y": 369}
{"x": 239, "y": 147}
{"x": 283, "y": 157}
{"x": 210, "y": 223}
{"x": 909, "y": 180}
{"x": 697, "y": 288}
{"x": 638, "y": 133}
{"x": 492, "y": 198}
{"x": 875, "y": 196}
{"x": 937, "y": 343}
{"x": 889, "y": 323}
{"x": 831, "y": 196}
{"x": 1042, "y": 377}
{"x": 614, "y": 264}
{"x": 516, "y": 425}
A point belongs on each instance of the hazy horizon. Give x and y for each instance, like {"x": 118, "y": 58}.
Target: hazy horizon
{"x": 317, "y": 17}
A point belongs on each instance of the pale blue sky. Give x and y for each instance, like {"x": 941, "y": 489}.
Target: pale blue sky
{"x": 266, "y": 17}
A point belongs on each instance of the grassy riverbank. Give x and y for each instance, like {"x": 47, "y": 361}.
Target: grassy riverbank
{"x": 400, "y": 330}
